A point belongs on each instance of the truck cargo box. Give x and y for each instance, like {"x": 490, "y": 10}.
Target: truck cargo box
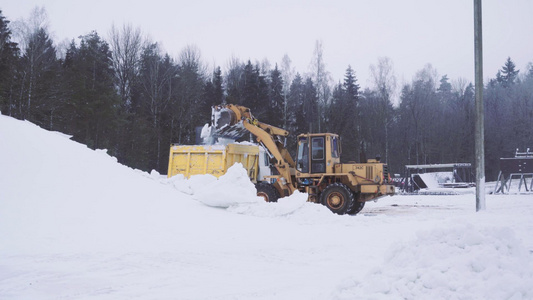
{"x": 212, "y": 159}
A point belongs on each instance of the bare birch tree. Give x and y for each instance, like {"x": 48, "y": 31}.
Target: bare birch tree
{"x": 156, "y": 75}
{"x": 384, "y": 81}
{"x": 322, "y": 78}
{"x": 126, "y": 44}
{"x": 192, "y": 73}
{"x": 38, "y": 55}
{"x": 287, "y": 74}
{"x": 23, "y": 29}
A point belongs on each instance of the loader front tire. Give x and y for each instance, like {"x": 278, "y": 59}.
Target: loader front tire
{"x": 358, "y": 206}
{"x": 267, "y": 191}
{"x": 338, "y": 198}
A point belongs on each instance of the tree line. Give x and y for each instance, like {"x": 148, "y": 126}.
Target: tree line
{"x": 126, "y": 95}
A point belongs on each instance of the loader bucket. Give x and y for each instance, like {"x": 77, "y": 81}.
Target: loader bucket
{"x": 224, "y": 124}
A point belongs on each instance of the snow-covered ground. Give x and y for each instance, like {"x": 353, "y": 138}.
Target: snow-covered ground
{"x": 75, "y": 224}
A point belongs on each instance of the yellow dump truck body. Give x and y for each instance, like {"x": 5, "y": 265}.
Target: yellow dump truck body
{"x": 215, "y": 159}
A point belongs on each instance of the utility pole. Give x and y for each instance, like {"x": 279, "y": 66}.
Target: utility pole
{"x": 480, "y": 129}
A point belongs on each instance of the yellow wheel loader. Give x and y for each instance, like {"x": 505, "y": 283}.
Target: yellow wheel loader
{"x": 342, "y": 187}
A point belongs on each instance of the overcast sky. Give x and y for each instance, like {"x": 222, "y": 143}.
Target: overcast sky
{"x": 353, "y": 32}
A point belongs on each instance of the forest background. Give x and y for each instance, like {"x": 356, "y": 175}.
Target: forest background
{"x": 126, "y": 95}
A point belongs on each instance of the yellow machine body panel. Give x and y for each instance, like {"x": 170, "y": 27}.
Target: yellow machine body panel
{"x": 213, "y": 159}
{"x": 367, "y": 173}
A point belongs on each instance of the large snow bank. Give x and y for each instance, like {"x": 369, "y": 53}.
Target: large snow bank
{"x": 59, "y": 195}
{"x": 459, "y": 262}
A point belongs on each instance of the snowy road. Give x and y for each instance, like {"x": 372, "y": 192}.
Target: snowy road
{"x": 295, "y": 256}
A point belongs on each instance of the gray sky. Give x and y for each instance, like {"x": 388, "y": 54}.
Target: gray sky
{"x": 353, "y": 32}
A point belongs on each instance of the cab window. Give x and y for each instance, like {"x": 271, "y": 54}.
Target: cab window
{"x": 318, "y": 148}
{"x": 335, "y": 147}
{"x": 302, "y": 163}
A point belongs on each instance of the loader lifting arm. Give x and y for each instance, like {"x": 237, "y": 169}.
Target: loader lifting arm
{"x": 233, "y": 121}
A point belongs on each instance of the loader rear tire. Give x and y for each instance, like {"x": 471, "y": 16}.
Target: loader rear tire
{"x": 338, "y": 198}
{"x": 357, "y": 206}
{"x": 267, "y": 191}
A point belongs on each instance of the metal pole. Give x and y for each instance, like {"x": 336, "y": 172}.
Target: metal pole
{"x": 480, "y": 130}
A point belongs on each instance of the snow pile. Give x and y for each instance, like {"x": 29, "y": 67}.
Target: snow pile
{"x": 461, "y": 262}
{"x": 232, "y": 188}
{"x": 235, "y": 192}
{"x": 59, "y": 195}
{"x": 283, "y": 207}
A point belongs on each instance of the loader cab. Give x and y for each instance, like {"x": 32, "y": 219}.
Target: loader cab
{"x": 318, "y": 153}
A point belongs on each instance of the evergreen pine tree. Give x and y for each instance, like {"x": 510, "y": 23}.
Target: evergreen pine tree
{"x": 190, "y": 91}
{"x": 40, "y": 59}
{"x": 335, "y": 124}
{"x": 249, "y": 84}
{"x": 310, "y": 107}
{"x": 262, "y": 101}
{"x": 9, "y": 53}
{"x": 350, "y": 86}
{"x": 445, "y": 87}
{"x": 348, "y": 111}
{"x": 234, "y": 81}
{"x": 39, "y": 68}
{"x": 277, "y": 99}
{"x": 90, "y": 97}
{"x": 253, "y": 91}
{"x": 508, "y": 74}
{"x": 295, "y": 115}
{"x": 214, "y": 93}
{"x": 530, "y": 71}
{"x": 218, "y": 89}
